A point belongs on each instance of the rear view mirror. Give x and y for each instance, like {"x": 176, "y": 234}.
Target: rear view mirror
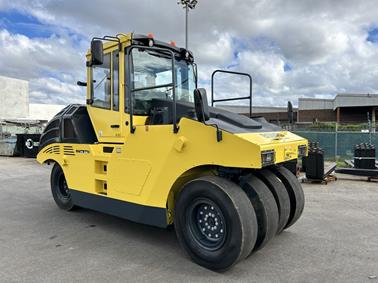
{"x": 97, "y": 52}
{"x": 201, "y": 105}
{"x": 290, "y": 114}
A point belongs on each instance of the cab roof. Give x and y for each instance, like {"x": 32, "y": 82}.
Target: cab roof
{"x": 126, "y": 39}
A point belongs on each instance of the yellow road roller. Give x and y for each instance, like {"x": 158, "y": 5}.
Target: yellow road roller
{"x": 147, "y": 147}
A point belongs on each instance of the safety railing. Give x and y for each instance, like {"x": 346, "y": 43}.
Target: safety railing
{"x": 232, "y": 98}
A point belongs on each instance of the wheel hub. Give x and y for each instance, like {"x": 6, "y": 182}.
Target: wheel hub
{"x": 207, "y": 224}
{"x": 210, "y": 223}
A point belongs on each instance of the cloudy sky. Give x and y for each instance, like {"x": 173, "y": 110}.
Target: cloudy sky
{"x": 292, "y": 49}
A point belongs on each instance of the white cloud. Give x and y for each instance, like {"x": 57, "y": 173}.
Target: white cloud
{"x": 50, "y": 90}
{"x": 54, "y": 54}
{"x": 308, "y": 42}
{"x": 218, "y": 51}
{"x": 52, "y": 65}
{"x": 323, "y": 41}
{"x": 267, "y": 68}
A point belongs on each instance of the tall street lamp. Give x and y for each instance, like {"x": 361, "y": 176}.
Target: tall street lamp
{"x": 187, "y": 4}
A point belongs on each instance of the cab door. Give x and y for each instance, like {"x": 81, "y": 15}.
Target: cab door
{"x": 104, "y": 98}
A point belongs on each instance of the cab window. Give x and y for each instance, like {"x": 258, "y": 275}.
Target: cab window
{"x": 115, "y": 81}
{"x": 101, "y": 84}
{"x": 153, "y": 71}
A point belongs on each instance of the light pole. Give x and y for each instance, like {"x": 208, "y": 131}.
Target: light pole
{"x": 187, "y": 4}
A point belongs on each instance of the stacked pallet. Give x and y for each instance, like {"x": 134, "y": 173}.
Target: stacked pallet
{"x": 364, "y": 156}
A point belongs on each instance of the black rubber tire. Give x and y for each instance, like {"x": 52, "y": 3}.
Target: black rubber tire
{"x": 277, "y": 188}
{"x": 238, "y": 215}
{"x": 295, "y": 191}
{"x": 265, "y": 207}
{"x": 59, "y": 189}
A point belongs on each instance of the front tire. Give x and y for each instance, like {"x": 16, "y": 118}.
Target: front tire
{"x": 277, "y": 188}
{"x": 59, "y": 189}
{"x": 295, "y": 191}
{"x": 265, "y": 208}
{"x": 215, "y": 222}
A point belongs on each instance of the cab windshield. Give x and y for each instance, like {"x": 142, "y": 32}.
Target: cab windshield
{"x": 152, "y": 69}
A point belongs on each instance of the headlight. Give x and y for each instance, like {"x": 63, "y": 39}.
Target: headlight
{"x": 302, "y": 150}
{"x": 267, "y": 157}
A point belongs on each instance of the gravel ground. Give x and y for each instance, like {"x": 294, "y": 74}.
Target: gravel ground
{"x": 336, "y": 240}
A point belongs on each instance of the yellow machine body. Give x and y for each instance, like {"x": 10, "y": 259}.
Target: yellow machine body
{"x": 147, "y": 168}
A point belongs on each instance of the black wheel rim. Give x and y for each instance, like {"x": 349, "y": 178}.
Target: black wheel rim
{"x": 63, "y": 190}
{"x": 206, "y": 223}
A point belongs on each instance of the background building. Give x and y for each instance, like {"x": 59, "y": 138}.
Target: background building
{"x": 14, "y": 98}
{"x": 344, "y": 108}
{"x": 14, "y": 102}
{"x": 17, "y": 116}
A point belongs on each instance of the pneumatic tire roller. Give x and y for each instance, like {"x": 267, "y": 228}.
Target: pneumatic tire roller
{"x": 147, "y": 147}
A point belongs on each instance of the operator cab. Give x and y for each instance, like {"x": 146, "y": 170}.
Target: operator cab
{"x": 135, "y": 80}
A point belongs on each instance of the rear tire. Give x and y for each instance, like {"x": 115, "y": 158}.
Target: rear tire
{"x": 265, "y": 207}
{"x": 215, "y": 222}
{"x": 295, "y": 191}
{"x": 60, "y": 191}
{"x": 277, "y": 188}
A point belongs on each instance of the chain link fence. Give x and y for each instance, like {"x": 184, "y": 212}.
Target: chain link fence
{"x": 338, "y": 140}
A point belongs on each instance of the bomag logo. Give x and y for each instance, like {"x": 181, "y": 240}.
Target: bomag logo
{"x": 82, "y": 151}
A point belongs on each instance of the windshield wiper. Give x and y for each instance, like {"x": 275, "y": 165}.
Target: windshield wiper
{"x": 100, "y": 82}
